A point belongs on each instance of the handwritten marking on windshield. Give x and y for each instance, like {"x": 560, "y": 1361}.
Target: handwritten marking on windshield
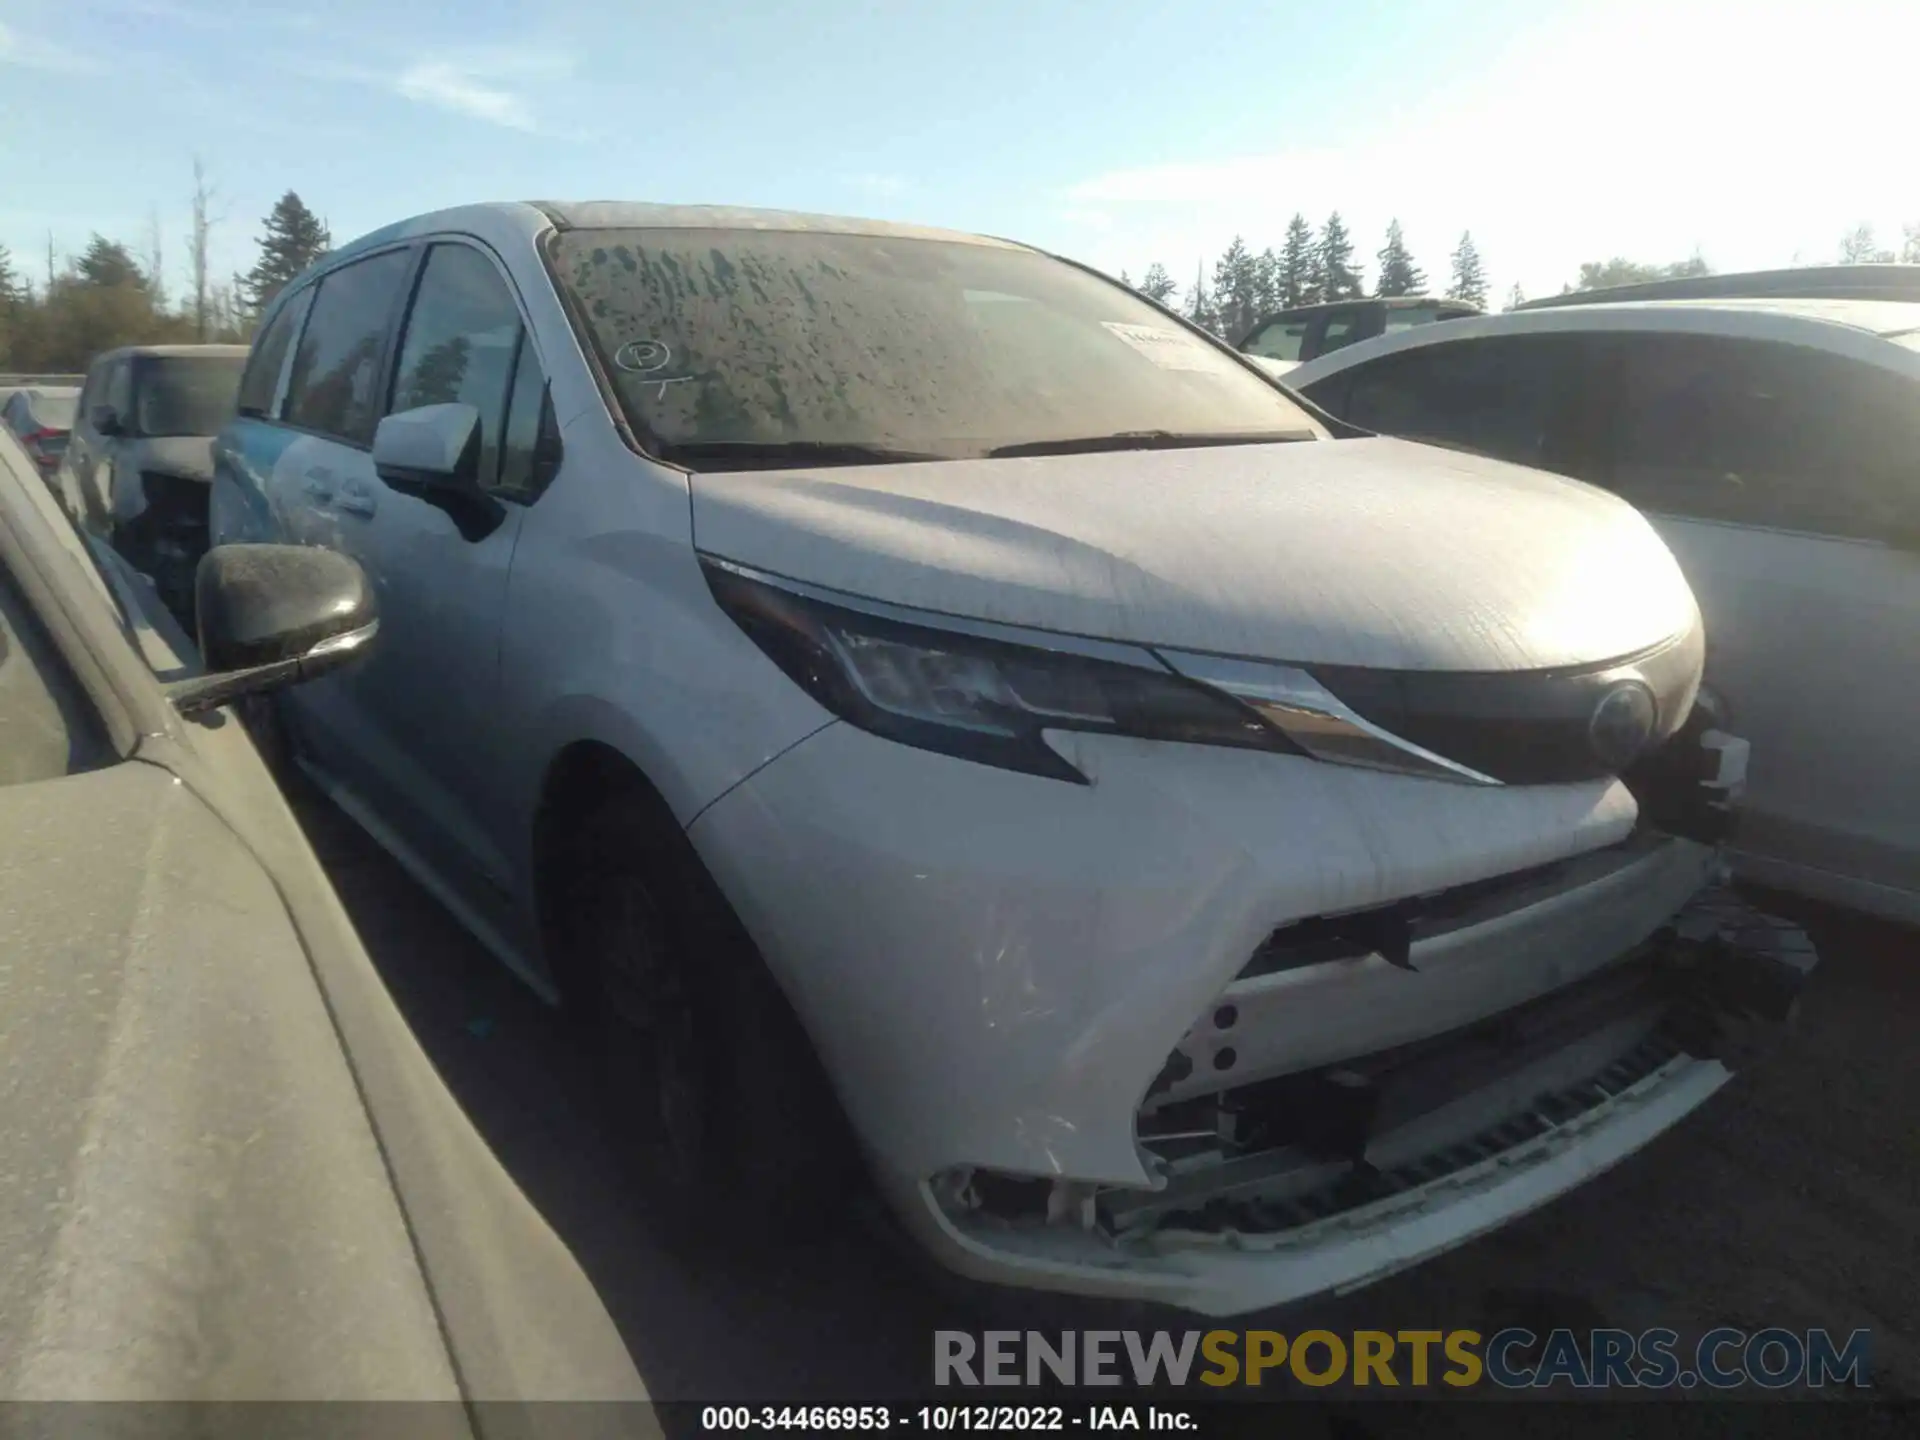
{"x": 645, "y": 357}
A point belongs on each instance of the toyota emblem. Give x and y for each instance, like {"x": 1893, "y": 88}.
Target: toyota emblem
{"x": 1622, "y": 724}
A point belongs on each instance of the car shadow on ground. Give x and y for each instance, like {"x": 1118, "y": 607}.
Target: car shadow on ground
{"x": 1791, "y": 1199}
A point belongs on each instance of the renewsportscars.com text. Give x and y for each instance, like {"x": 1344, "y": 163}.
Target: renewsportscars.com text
{"x": 1511, "y": 1359}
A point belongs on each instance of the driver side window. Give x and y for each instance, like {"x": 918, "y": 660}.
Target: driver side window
{"x": 460, "y": 346}
{"x": 118, "y": 391}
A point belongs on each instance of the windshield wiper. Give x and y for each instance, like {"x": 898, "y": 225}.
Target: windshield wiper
{"x": 778, "y": 453}
{"x": 1145, "y": 440}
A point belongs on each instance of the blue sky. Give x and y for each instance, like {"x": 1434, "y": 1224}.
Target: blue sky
{"x": 1118, "y": 131}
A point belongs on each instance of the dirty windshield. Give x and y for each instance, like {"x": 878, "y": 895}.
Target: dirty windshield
{"x": 178, "y": 395}
{"x": 817, "y": 341}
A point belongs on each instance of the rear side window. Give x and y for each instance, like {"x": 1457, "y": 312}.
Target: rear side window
{"x": 1343, "y": 328}
{"x": 1279, "y": 341}
{"x": 334, "y": 387}
{"x": 1766, "y": 434}
{"x": 1505, "y": 397}
{"x": 260, "y": 386}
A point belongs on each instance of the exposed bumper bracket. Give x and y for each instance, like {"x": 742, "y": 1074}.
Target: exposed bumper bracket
{"x": 1737, "y": 975}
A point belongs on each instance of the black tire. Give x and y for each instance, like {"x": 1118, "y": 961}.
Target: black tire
{"x": 710, "y": 1088}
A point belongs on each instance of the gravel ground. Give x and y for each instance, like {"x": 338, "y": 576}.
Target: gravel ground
{"x": 1791, "y": 1199}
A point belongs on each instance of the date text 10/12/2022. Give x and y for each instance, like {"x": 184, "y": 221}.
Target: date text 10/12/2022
{"x": 946, "y": 1419}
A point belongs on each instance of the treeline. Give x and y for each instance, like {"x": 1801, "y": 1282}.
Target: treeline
{"x": 110, "y": 295}
{"x": 1311, "y": 267}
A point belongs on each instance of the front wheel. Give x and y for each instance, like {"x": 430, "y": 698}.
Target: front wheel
{"x": 711, "y": 1088}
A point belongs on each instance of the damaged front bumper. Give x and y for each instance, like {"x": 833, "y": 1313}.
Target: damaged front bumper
{"x": 1091, "y": 1045}
{"x": 1330, "y": 1179}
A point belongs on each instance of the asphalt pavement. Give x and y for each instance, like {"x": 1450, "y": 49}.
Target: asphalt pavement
{"x": 1791, "y": 1199}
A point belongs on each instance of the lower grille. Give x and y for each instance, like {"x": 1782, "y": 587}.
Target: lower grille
{"x": 1362, "y": 1185}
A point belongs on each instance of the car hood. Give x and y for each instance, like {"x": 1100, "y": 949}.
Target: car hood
{"x": 1370, "y": 552}
{"x": 215, "y": 1188}
{"x": 188, "y": 456}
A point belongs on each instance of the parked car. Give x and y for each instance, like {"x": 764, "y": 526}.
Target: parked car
{"x": 40, "y": 419}
{"x": 1775, "y": 444}
{"x": 230, "y": 1172}
{"x": 1289, "y": 337}
{"x": 137, "y": 465}
{"x": 878, "y": 670}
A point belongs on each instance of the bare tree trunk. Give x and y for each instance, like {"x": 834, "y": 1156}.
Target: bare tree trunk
{"x": 202, "y": 226}
{"x": 50, "y": 276}
{"x": 156, "y": 261}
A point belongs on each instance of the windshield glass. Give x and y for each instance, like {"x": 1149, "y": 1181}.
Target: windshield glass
{"x": 1405, "y": 317}
{"x": 185, "y": 395}
{"x": 933, "y": 348}
{"x": 55, "y": 412}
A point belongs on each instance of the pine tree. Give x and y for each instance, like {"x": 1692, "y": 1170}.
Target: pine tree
{"x": 1398, "y": 274}
{"x": 1199, "y": 304}
{"x": 1333, "y": 261}
{"x": 1157, "y": 284}
{"x": 1294, "y": 280}
{"x": 14, "y": 302}
{"x": 292, "y": 238}
{"x": 1126, "y": 280}
{"x": 1469, "y": 276}
{"x": 1516, "y": 297}
{"x": 437, "y": 378}
{"x": 1236, "y": 290}
{"x": 1266, "y": 288}
{"x": 109, "y": 265}
{"x": 13, "y": 289}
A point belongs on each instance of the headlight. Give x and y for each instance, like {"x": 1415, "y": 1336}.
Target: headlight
{"x": 976, "y": 698}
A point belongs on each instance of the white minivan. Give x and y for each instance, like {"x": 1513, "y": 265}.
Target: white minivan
{"x": 881, "y": 675}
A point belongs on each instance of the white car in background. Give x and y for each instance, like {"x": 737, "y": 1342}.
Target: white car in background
{"x": 1773, "y": 439}
{"x": 1207, "y": 862}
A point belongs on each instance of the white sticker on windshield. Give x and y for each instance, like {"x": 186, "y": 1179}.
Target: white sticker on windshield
{"x": 1170, "y": 349}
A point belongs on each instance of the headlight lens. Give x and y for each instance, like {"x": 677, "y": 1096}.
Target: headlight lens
{"x": 964, "y": 695}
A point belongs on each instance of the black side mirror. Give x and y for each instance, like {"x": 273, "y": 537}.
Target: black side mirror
{"x": 105, "y": 419}
{"x": 272, "y": 616}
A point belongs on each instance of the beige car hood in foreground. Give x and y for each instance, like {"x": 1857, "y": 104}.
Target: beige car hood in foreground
{"x": 1371, "y": 552}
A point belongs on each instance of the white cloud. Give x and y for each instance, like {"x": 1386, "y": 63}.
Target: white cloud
{"x": 1641, "y": 129}
{"x": 436, "y": 82}
{"x": 31, "y": 52}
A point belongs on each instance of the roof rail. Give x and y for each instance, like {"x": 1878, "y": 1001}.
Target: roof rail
{"x": 1814, "y": 282}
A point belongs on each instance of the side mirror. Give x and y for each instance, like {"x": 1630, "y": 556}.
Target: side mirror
{"x": 433, "y": 451}
{"x": 433, "y": 446}
{"x": 105, "y": 419}
{"x": 272, "y": 616}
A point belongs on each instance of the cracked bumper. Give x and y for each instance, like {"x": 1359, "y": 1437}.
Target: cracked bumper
{"x": 996, "y": 969}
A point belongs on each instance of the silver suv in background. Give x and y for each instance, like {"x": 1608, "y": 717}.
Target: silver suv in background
{"x": 1769, "y": 427}
{"x": 140, "y": 456}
